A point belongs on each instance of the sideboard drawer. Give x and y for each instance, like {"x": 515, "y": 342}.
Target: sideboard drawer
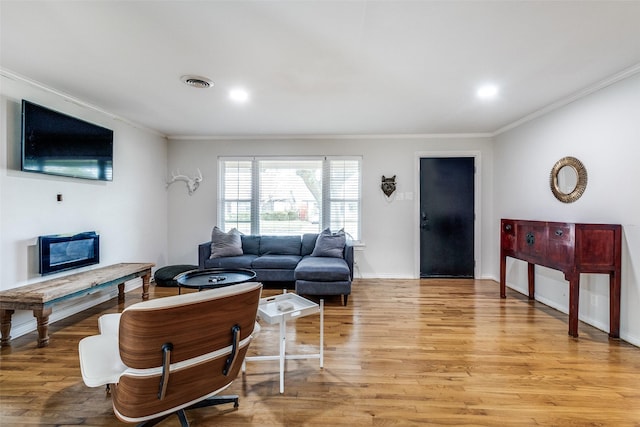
{"x": 561, "y": 244}
{"x": 532, "y": 239}
{"x": 508, "y": 235}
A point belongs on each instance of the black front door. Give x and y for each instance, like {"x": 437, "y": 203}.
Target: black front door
{"x": 447, "y": 217}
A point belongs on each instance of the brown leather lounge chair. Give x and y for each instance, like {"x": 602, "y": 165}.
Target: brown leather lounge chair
{"x": 167, "y": 355}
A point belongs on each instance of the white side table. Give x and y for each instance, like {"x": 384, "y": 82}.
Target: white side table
{"x": 279, "y": 309}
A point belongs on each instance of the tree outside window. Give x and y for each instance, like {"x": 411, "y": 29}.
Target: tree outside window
{"x": 286, "y": 196}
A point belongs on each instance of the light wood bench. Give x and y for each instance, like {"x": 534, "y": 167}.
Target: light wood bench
{"x": 40, "y": 297}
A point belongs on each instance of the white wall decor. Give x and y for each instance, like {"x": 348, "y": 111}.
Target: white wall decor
{"x": 192, "y": 183}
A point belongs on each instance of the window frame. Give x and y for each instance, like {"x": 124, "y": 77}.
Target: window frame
{"x": 326, "y": 202}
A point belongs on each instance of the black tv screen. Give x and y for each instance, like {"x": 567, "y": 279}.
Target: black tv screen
{"x": 57, "y": 144}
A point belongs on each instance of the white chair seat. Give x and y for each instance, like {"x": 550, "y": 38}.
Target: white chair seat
{"x": 100, "y": 362}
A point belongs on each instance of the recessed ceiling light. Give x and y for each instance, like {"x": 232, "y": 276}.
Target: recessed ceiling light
{"x": 238, "y": 95}
{"x": 197, "y": 81}
{"x": 487, "y": 91}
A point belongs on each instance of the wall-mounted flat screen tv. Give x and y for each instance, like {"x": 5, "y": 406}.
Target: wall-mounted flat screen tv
{"x": 57, "y": 144}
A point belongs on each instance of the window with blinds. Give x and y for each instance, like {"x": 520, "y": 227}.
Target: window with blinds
{"x": 283, "y": 196}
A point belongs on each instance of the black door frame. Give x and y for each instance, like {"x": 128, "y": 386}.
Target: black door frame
{"x": 477, "y": 186}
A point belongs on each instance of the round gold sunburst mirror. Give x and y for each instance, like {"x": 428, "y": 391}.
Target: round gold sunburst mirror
{"x": 568, "y": 179}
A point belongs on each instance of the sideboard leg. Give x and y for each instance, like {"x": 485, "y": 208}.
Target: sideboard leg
{"x": 42, "y": 316}
{"x": 531, "y": 273}
{"x": 5, "y": 326}
{"x": 503, "y": 276}
{"x": 614, "y": 304}
{"x": 574, "y": 298}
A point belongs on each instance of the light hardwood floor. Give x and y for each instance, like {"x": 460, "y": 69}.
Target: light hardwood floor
{"x": 402, "y": 353}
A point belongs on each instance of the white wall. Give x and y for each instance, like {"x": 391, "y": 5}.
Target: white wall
{"x": 389, "y": 226}
{"x": 603, "y": 131}
{"x": 129, "y": 213}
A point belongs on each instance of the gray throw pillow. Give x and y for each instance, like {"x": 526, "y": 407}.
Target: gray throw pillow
{"x": 329, "y": 244}
{"x": 225, "y": 244}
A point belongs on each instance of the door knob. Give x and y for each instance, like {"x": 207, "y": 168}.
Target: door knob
{"x": 424, "y": 221}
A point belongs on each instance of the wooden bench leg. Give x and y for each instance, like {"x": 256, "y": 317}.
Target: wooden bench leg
{"x": 146, "y": 279}
{"x": 42, "y": 316}
{"x": 121, "y": 292}
{"x": 145, "y": 285}
{"x": 5, "y": 327}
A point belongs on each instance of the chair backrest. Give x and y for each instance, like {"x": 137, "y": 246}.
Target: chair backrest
{"x": 201, "y": 340}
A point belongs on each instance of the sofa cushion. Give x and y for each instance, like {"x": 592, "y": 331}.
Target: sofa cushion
{"x": 250, "y": 244}
{"x": 308, "y": 243}
{"x": 280, "y": 245}
{"x": 274, "y": 275}
{"x": 276, "y": 261}
{"x": 329, "y": 244}
{"x": 241, "y": 261}
{"x": 225, "y": 244}
{"x": 322, "y": 269}
{"x": 306, "y": 287}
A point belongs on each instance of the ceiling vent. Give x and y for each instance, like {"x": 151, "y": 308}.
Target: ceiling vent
{"x": 197, "y": 81}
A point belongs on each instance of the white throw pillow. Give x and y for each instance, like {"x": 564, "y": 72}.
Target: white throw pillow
{"x": 225, "y": 244}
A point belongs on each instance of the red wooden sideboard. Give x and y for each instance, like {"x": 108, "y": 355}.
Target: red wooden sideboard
{"x": 570, "y": 248}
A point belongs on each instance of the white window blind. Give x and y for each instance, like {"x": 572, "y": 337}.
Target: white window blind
{"x": 344, "y": 196}
{"x": 236, "y": 205}
{"x": 279, "y": 196}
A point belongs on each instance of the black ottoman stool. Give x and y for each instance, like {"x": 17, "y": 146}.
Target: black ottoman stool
{"x": 164, "y": 276}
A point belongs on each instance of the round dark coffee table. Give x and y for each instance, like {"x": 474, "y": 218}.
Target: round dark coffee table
{"x": 213, "y": 278}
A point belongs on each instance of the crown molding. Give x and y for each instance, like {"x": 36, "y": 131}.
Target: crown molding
{"x": 329, "y": 137}
{"x": 624, "y": 74}
{"x": 69, "y": 98}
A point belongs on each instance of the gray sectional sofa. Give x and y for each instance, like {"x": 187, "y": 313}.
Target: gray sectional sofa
{"x": 318, "y": 267}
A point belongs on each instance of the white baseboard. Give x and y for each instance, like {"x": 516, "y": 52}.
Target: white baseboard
{"x": 588, "y": 320}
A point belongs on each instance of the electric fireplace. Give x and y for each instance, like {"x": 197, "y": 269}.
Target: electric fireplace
{"x": 61, "y": 252}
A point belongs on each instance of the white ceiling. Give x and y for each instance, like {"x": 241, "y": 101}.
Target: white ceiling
{"x": 320, "y": 67}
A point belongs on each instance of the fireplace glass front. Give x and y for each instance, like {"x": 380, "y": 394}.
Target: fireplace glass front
{"x": 64, "y": 252}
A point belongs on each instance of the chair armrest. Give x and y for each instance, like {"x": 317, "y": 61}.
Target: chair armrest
{"x": 204, "y": 252}
{"x": 109, "y": 324}
{"x": 348, "y": 256}
{"x": 235, "y": 349}
{"x": 256, "y": 330}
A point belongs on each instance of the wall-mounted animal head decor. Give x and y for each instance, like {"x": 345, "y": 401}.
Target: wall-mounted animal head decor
{"x": 388, "y": 185}
{"x": 192, "y": 183}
